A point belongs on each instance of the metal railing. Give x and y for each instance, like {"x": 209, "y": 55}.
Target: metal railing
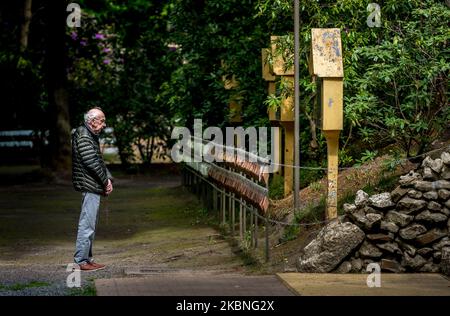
{"x": 240, "y": 217}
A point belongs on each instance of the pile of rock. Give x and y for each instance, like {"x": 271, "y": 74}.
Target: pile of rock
{"x": 406, "y": 230}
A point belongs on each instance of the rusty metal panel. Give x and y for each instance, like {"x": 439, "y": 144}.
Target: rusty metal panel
{"x": 327, "y": 53}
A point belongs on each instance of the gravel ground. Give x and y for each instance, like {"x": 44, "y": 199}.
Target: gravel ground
{"x": 44, "y": 280}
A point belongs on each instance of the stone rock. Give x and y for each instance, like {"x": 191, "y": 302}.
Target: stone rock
{"x": 431, "y": 195}
{"x": 444, "y": 242}
{"x": 366, "y": 221}
{"x": 409, "y": 179}
{"x": 431, "y": 236}
{"x": 444, "y": 194}
{"x": 424, "y": 186}
{"x": 415, "y": 262}
{"x": 349, "y": 208}
{"x": 344, "y": 267}
{"x": 430, "y": 267}
{"x": 410, "y": 250}
{"x": 391, "y": 247}
{"x": 412, "y": 231}
{"x": 333, "y": 243}
{"x": 361, "y": 198}
{"x": 445, "y": 261}
{"x": 380, "y": 237}
{"x": 437, "y": 165}
{"x": 372, "y": 220}
{"x": 445, "y": 173}
{"x": 368, "y": 210}
{"x": 431, "y": 217}
{"x": 445, "y": 157}
{"x": 415, "y": 194}
{"x": 391, "y": 266}
{"x": 398, "y": 193}
{"x": 427, "y": 161}
{"x": 442, "y": 184}
{"x": 425, "y": 252}
{"x": 408, "y": 205}
{"x": 445, "y": 211}
{"x": 390, "y": 226}
{"x": 437, "y": 255}
{"x": 428, "y": 174}
{"x": 434, "y": 206}
{"x": 399, "y": 219}
{"x": 356, "y": 265}
{"x": 447, "y": 204}
{"x": 368, "y": 250}
{"x": 448, "y": 224}
{"x": 381, "y": 201}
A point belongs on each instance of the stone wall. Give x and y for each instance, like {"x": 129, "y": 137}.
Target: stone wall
{"x": 406, "y": 230}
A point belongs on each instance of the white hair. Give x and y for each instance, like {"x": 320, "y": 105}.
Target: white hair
{"x": 91, "y": 114}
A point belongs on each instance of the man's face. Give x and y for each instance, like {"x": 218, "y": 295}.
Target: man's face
{"x": 98, "y": 123}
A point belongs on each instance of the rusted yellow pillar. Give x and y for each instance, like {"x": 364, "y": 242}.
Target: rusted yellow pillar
{"x": 288, "y": 157}
{"x": 326, "y": 52}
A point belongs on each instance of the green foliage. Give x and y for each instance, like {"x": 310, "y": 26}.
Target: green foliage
{"x": 22, "y": 286}
{"x": 404, "y": 88}
{"x": 396, "y": 76}
{"x": 276, "y": 187}
{"x": 218, "y": 39}
{"x": 366, "y": 157}
{"x": 87, "y": 290}
{"x": 120, "y": 60}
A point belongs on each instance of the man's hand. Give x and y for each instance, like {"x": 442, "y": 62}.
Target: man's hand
{"x": 109, "y": 187}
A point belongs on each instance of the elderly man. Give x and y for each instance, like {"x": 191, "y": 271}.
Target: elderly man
{"x": 91, "y": 177}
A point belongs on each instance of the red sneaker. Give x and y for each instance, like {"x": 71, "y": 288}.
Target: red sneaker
{"x": 98, "y": 266}
{"x": 88, "y": 267}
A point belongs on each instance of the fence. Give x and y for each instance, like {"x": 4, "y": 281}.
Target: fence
{"x": 236, "y": 189}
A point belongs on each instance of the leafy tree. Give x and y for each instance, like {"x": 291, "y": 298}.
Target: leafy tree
{"x": 121, "y": 58}
{"x": 395, "y": 85}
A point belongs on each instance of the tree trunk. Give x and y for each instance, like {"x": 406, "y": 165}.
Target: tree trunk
{"x": 25, "y": 28}
{"x": 60, "y": 143}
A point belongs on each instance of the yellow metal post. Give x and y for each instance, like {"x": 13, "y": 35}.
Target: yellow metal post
{"x": 326, "y": 65}
{"x": 288, "y": 157}
{"x": 332, "y": 138}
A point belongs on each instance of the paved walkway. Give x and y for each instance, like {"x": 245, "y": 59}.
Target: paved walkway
{"x": 283, "y": 284}
{"x": 327, "y": 284}
{"x": 193, "y": 284}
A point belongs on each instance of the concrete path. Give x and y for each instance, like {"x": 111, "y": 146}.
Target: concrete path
{"x": 193, "y": 284}
{"x": 356, "y": 284}
{"x": 283, "y": 284}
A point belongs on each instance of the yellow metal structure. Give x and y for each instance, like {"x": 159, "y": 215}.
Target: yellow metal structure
{"x": 235, "y": 111}
{"x": 278, "y": 63}
{"x": 326, "y": 65}
{"x": 288, "y": 157}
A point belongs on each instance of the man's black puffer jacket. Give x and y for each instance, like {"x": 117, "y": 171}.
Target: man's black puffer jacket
{"x": 89, "y": 172}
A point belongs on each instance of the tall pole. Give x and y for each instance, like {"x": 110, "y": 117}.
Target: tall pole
{"x": 296, "y": 106}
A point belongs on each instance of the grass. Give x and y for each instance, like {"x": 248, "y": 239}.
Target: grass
{"x": 22, "y": 286}
{"x": 88, "y": 290}
{"x": 276, "y": 187}
{"x": 311, "y": 214}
